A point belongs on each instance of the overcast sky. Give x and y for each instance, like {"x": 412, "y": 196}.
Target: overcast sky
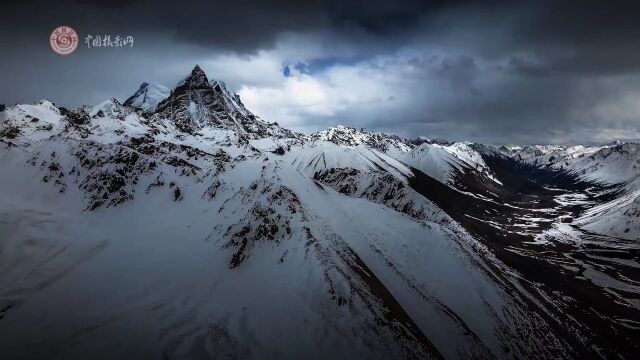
{"x": 492, "y": 71}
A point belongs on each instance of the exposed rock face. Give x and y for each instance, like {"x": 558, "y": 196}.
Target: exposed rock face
{"x": 197, "y": 103}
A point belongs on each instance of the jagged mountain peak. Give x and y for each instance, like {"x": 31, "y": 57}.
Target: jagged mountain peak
{"x": 197, "y": 78}
{"x": 196, "y": 103}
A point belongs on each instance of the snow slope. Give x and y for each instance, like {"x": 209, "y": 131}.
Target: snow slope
{"x": 259, "y": 234}
{"x": 619, "y": 217}
{"x": 444, "y": 162}
{"x": 187, "y": 235}
{"x": 148, "y": 96}
{"x": 312, "y": 157}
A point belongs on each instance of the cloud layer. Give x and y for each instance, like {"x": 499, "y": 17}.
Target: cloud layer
{"x": 498, "y": 72}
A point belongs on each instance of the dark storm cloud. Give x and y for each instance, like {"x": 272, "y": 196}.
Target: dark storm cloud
{"x": 498, "y": 71}
{"x": 239, "y": 25}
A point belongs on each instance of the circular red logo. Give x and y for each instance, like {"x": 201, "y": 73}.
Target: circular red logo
{"x": 63, "y": 40}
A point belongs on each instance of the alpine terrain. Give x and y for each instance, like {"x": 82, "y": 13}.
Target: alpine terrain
{"x": 176, "y": 224}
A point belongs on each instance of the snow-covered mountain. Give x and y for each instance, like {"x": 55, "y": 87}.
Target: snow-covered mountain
{"x": 446, "y": 162}
{"x": 184, "y": 226}
{"x": 441, "y": 161}
{"x": 148, "y": 96}
{"x": 197, "y": 104}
